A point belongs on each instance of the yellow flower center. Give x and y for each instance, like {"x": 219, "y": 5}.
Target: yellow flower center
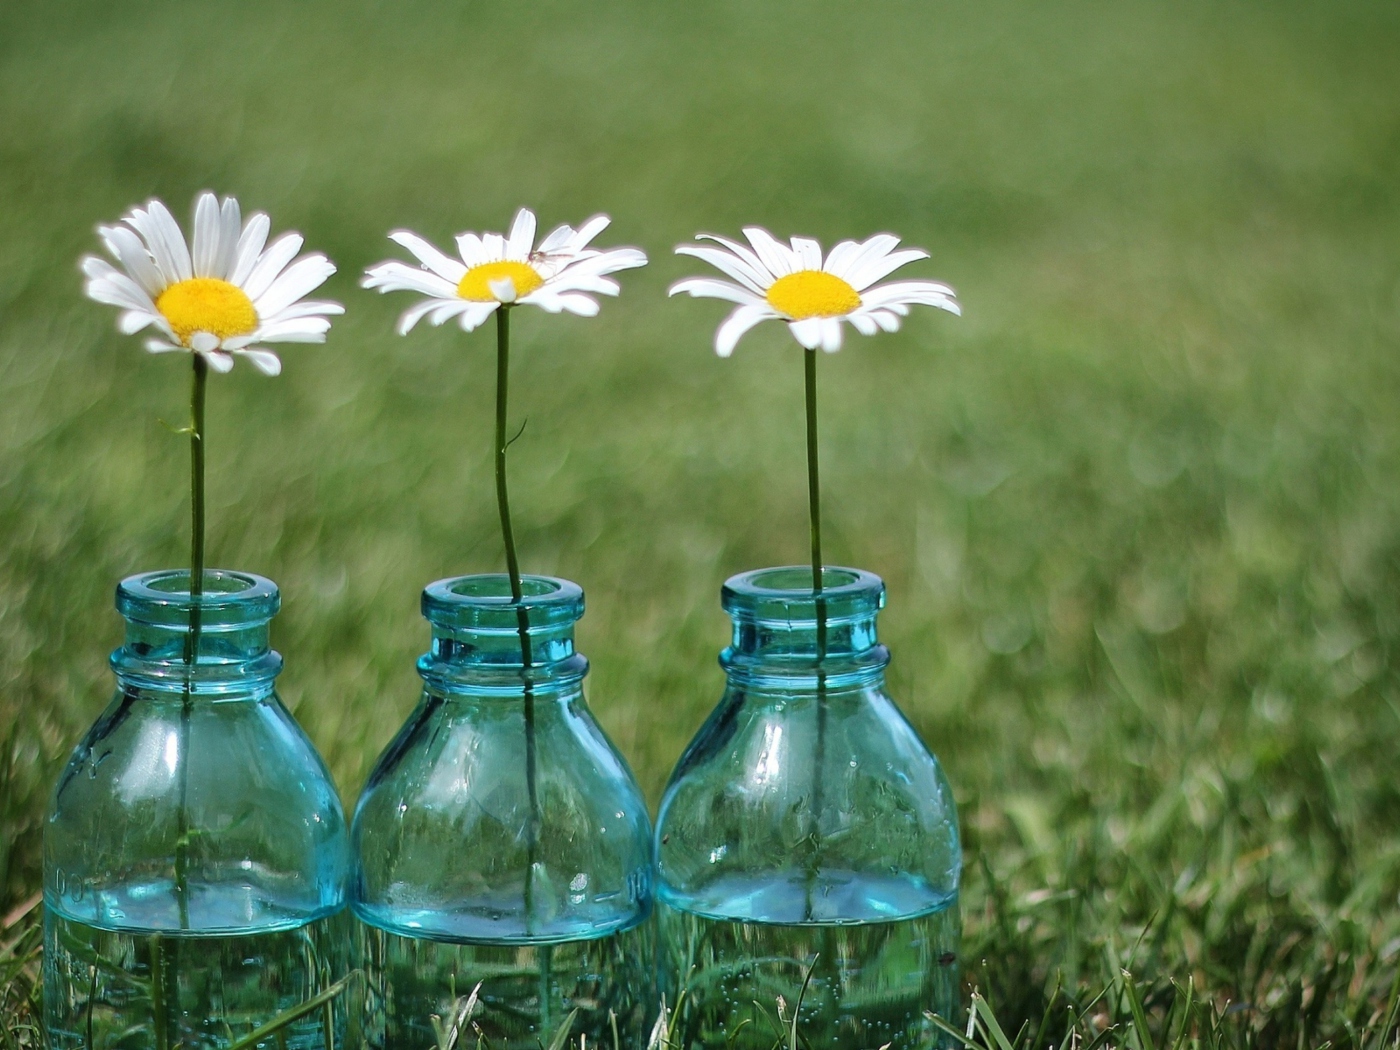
{"x": 207, "y": 304}
{"x": 812, "y": 293}
{"x": 475, "y": 284}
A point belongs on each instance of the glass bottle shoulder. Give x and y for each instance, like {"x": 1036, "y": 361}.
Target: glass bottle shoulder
{"x": 790, "y": 807}
{"x": 441, "y": 830}
{"x": 236, "y": 777}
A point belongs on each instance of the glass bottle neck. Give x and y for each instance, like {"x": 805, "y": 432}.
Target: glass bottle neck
{"x": 211, "y": 643}
{"x": 793, "y": 637}
{"x": 486, "y": 644}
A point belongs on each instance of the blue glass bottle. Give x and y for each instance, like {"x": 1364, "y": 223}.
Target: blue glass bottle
{"x": 501, "y": 840}
{"x": 807, "y": 835}
{"x": 195, "y": 853}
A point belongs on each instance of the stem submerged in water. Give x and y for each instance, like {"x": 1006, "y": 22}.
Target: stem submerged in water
{"x": 814, "y": 510}
{"x": 522, "y": 615}
{"x": 160, "y": 1019}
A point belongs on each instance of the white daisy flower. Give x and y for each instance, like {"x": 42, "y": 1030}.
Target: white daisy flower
{"x": 494, "y": 270}
{"x": 813, "y": 296}
{"x": 231, "y": 291}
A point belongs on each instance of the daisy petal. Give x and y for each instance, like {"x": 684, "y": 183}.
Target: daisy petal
{"x": 590, "y": 229}
{"x": 866, "y": 273}
{"x": 571, "y": 282}
{"x": 886, "y": 320}
{"x": 231, "y": 218}
{"x": 265, "y": 361}
{"x": 297, "y": 330}
{"x": 304, "y": 275}
{"x": 557, "y": 239}
{"x": 95, "y": 268}
{"x": 577, "y": 303}
{"x": 831, "y": 334}
{"x": 730, "y": 266}
{"x": 839, "y": 259}
{"x": 917, "y": 293}
{"x": 129, "y": 250}
{"x": 160, "y": 346}
{"x": 119, "y": 290}
{"x": 710, "y": 288}
{"x": 414, "y": 314}
{"x": 208, "y": 231}
{"x": 398, "y": 277}
{"x": 218, "y": 360}
{"x": 776, "y": 256}
{"x": 746, "y": 255}
{"x": 132, "y": 321}
{"x": 475, "y": 316}
{"x": 737, "y": 323}
{"x": 444, "y": 266}
{"x": 808, "y": 332}
{"x": 599, "y": 263}
{"x": 863, "y": 323}
{"x": 204, "y": 342}
{"x": 306, "y": 308}
{"x": 615, "y": 259}
{"x": 872, "y": 249}
{"x": 444, "y": 310}
{"x": 168, "y": 230}
{"x": 154, "y": 244}
{"x": 522, "y": 236}
{"x": 808, "y": 251}
{"x": 471, "y": 249}
{"x": 271, "y": 263}
{"x": 250, "y": 246}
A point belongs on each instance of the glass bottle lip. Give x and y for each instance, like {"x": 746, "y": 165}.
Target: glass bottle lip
{"x": 482, "y": 601}
{"x": 783, "y": 595}
{"x": 230, "y": 600}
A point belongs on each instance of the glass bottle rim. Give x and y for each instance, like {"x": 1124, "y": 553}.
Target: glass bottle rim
{"x": 230, "y": 599}
{"x": 483, "y": 601}
{"x": 783, "y": 594}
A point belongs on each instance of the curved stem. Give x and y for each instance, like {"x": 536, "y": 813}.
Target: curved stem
{"x": 198, "y": 387}
{"x": 522, "y": 615}
{"x": 814, "y": 510}
{"x": 502, "y": 399}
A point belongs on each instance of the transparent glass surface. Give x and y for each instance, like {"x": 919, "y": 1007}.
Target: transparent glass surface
{"x": 808, "y": 834}
{"x": 501, "y": 838}
{"x": 195, "y": 853}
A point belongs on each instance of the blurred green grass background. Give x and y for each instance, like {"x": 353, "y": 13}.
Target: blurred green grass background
{"x": 1137, "y": 510}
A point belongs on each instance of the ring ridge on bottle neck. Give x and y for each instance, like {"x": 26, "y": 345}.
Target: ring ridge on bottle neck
{"x": 476, "y": 635}
{"x": 226, "y": 626}
{"x": 790, "y": 635}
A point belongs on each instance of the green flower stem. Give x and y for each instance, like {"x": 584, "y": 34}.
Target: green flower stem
{"x": 198, "y": 388}
{"x": 160, "y": 1019}
{"x": 814, "y": 484}
{"x": 522, "y": 615}
{"x": 814, "y": 508}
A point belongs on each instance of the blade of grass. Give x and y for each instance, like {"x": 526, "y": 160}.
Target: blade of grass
{"x": 1144, "y": 1035}
{"x": 989, "y": 1021}
{"x": 296, "y": 1013}
{"x": 561, "y": 1034}
{"x": 797, "y": 1006}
